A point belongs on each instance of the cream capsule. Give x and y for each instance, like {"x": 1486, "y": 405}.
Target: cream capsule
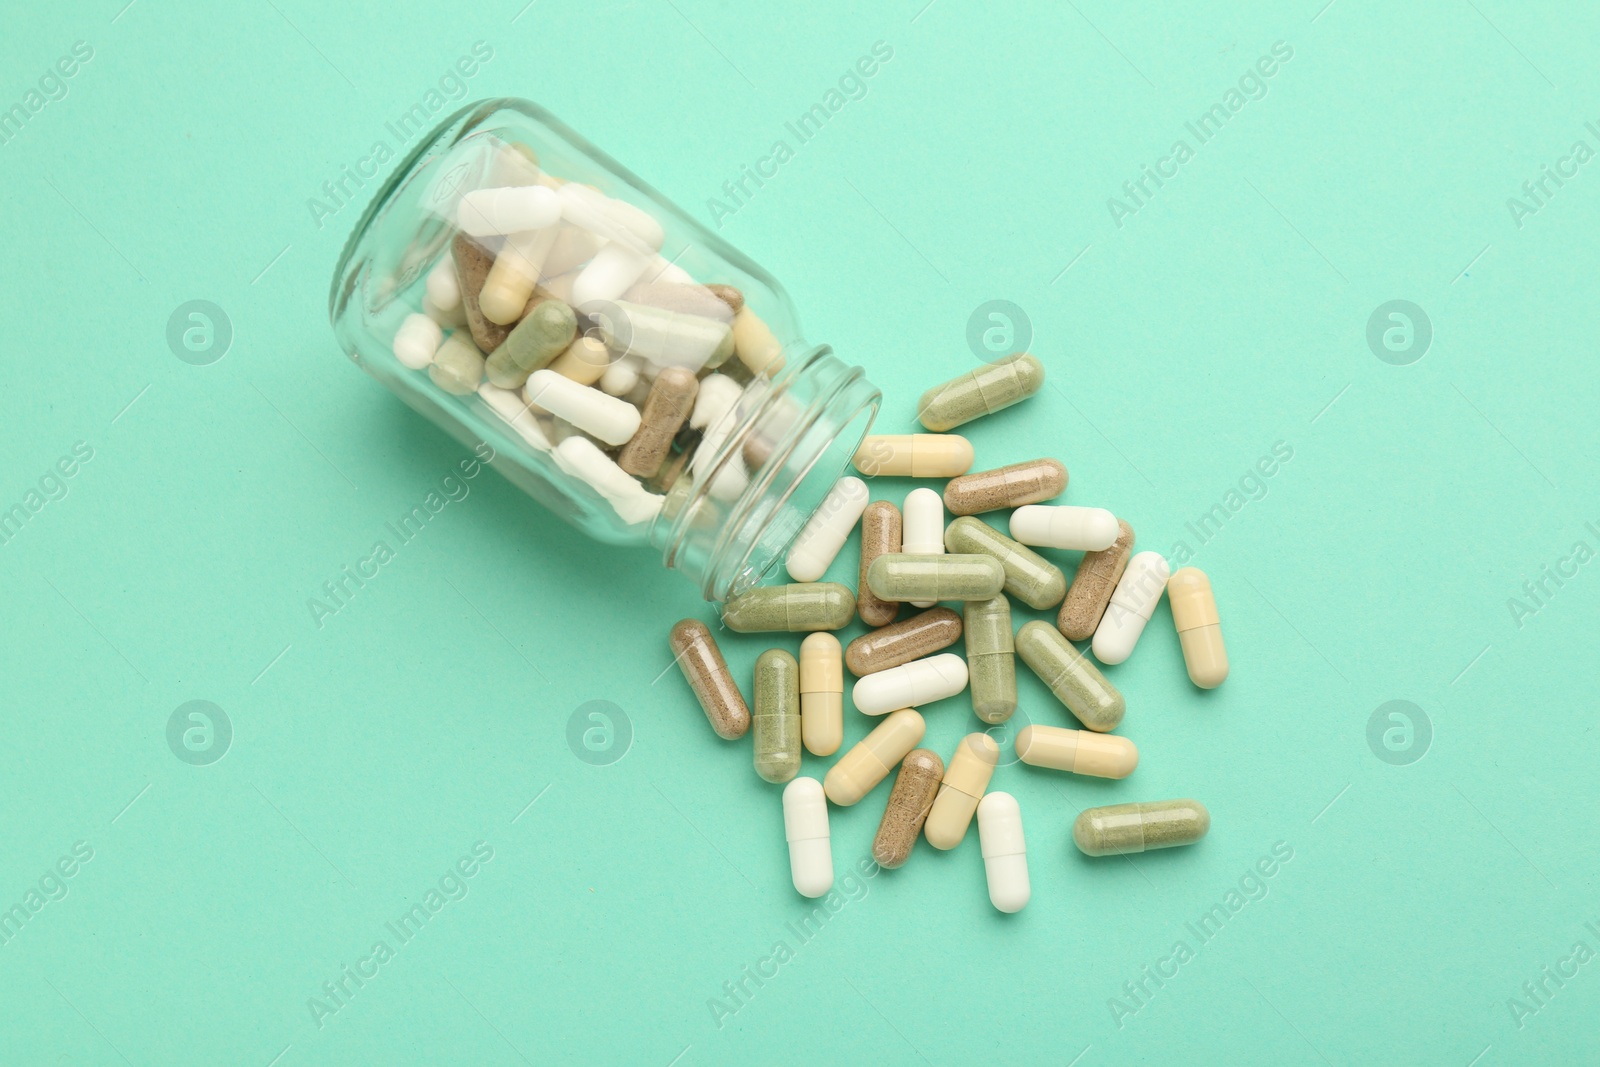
{"x": 1005, "y": 852}
{"x": 1134, "y": 600}
{"x": 1194, "y": 613}
{"x": 776, "y": 722}
{"x": 914, "y": 455}
{"x": 965, "y": 779}
{"x": 873, "y": 757}
{"x": 1064, "y": 526}
{"x": 1005, "y": 487}
{"x": 989, "y": 389}
{"x": 821, "y": 694}
{"x": 880, "y": 533}
{"x": 1077, "y": 751}
{"x": 697, "y": 655}
{"x": 914, "y": 789}
{"x": 1127, "y": 828}
{"x": 805, "y": 825}
{"x": 829, "y": 527}
{"x": 1030, "y": 577}
{"x": 924, "y": 529}
{"x": 991, "y": 658}
{"x": 1092, "y": 586}
{"x": 914, "y": 638}
{"x": 901, "y": 576}
{"x": 795, "y": 608}
{"x": 910, "y": 685}
{"x": 1075, "y": 681}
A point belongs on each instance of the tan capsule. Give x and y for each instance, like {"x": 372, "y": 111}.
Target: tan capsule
{"x": 472, "y": 267}
{"x": 584, "y": 360}
{"x": 728, "y": 295}
{"x": 821, "y": 694}
{"x": 755, "y": 345}
{"x": 665, "y": 409}
{"x": 914, "y": 789}
{"x": 1092, "y": 586}
{"x": 1005, "y": 487}
{"x": 873, "y": 757}
{"x": 915, "y": 638}
{"x": 1194, "y": 613}
{"x": 914, "y": 455}
{"x": 964, "y": 783}
{"x": 686, "y": 298}
{"x": 697, "y": 655}
{"x": 880, "y": 533}
{"x": 1077, "y": 751}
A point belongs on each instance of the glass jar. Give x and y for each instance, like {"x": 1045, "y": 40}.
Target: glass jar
{"x": 631, "y": 371}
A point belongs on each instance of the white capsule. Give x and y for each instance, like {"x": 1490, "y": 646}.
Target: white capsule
{"x": 805, "y": 824}
{"x": 582, "y": 458}
{"x": 609, "y": 274}
{"x": 825, "y": 534}
{"x": 910, "y": 685}
{"x": 638, "y": 222}
{"x": 1063, "y": 526}
{"x": 611, "y": 420}
{"x": 620, "y": 378}
{"x": 592, "y": 210}
{"x": 1005, "y": 853}
{"x": 509, "y": 405}
{"x": 662, "y": 269}
{"x": 731, "y": 478}
{"x": 1132, "y": 602}
{"x": 444, "y": 287}
{"x": 417, "y": 339}
{"x": 718, "y": 393}
{"x": 491, "y": 212}
{"x": 923, "y": 528}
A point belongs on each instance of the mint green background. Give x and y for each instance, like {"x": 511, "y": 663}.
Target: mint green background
{"x": 1228, "y": 314}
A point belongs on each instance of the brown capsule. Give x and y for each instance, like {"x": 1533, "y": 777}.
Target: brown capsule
{"x": 880, "y": 533}
{"x": 685, "y": 297}
{"x": 1092, "y": 586}
{"x": 472, "y": 267}
{"x": 914, "y": 638}
{"x": 698, "y": 656}
{"x": 909, "y": 802}
{"x": 1005, "y": 487}
{"x": 666, "y": 407}
{"x": 728, "y": 295}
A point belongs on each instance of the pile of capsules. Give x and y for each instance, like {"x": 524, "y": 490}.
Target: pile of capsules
{"x": 910, "y": 556}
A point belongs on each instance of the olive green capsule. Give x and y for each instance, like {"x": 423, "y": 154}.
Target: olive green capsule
{"x": 911, "y": 576}
{"x": 981, "y": 392}
{"x": 1075, "y": 681}
{"x": 1030, "y": 577}
{"x": 542, "y": 335}
{"x": 801, "y": 608}
{"x": 775, "y": 724}
{"x": 991, "y": 658}
{"x": 458, "y": 365}
{"x": 1124, "y": 828}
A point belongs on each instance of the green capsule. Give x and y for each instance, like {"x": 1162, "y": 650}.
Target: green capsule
{"x": 911, "y": 576}
{"x": 458, "y": 365}
{"x": 1124, "y": 828}
{"x": 542, "y": 335}
{"x": 1030, "y": 577}
{"x": 991, "y": 658}
{"x": 1075, "y": 681}
{"x": 775, "y": 723}
{"x": 801, "y": 608}
{"x": 981, "y": 392}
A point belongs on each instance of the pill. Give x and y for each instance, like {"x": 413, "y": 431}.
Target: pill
{"x": 587, "y": 207}
{"x": 688, "y": 298}
{"x": 915, "y": 455}
{"x": 1092, "y": 585}
{"x": 489, "y": 212}
{"x": 1077, "y": 751}
{"x": 775, "y": 724}
{"x": 607, "y": 276}
{"x": 924, "y": 529}
{"x": 1194, "y": 613}
{"x": 1005, "y": 487}
{"x": 604, "y": 417}
{"x": 1069, "y": 674}
{"x": 1126, "y": 828}
{"x": 620, "y": 377}
{"x": 880, "y": 533}
{"x": 1063, "y": 526}
{"x": 873, "y": 757}
{"x": 755, "y": 345}
{"x": 472, "y": 262}
{"x": 638, "y": 222}
{"x": 914, "y": 789}
{"x": 584, "y": 360}
{"x": 965, "y": 779}
{"x": 825, "y": 533}
{"x": 695, "y": 651}
{"x": 981, "y": 392}
{"x": 801, "y": 608}
{"x": 662, "y": 338}
{"x": 450, "y": 318}
{"x": 458, "y": 365}
{"x": 910, "y": 639}
{"x": 901, "y": 576}
{"x": 991, "y": 658}
{"x": 443, "y": 287}
{"x": 805, "y": 825}
{"x": 821, "y": 694}
{"x": 510, "y": 283}
{"x": 1005, "y": 852}
{"x": 1030, "y": 577}
{"x": 582, "y": 458}
{"x": 1132, "y": 603}
{"x": 542, "y": 335}
{"x": 510, "y": 407}
{"x": 910, "y": 685}
{"x": 573, "y": 247}
{"x": 417, "y": 339}
{"x": 718, "y": 394}
{"x": 665, "y": 409}
{"x": 728, "y": 295}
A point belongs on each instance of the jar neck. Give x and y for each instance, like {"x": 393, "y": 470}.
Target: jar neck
{"x": 793, "y": 438}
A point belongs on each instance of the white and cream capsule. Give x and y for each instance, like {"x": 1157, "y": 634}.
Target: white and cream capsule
{"x": 914, "y": 455}
{"x": 1077, "y": 751}
{"x": 1064, "y": 526}
{"x": 910, "y": 685}
{"x": 922, "y": 531}
{"x": 805, "y": 825}
{"x": 825, "y": 534}
{"x": 1132, "y": 603}
{"x": 1005, "y": 852}
{"x": 590, "y": 410}
{"x": 821, "y": 694}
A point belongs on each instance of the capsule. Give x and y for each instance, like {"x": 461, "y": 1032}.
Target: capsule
{"x": 417, "y": 339}
{"x": 914, "y": 638}
{"x": 659, "y": 337}
{"x": 1005, "y": 852}
{"x": 805, "y": 825}
{"x": 1194, "y": 613}
{"x": 880, "y": 533}
{"x": 821, "y": 694}
{"x": 1132, "y": 603}
{"x": 965, "y": 779}
{"x": 988, "y": 389}
{"x": 1062, "y": 526}
{"x": 1126, "y": 828}
{"x": 991, "y": 658}
{"x": 496, "y": 212}
{"x": 542, "y": 335}
{"x": 794, "y": 608}
{"x": 924, "y": 529}
{"x": 914, "y": 789}
{"x": 1092, "y": 586}
{"x": 473, "y": 263}
{"x": 873, "y": 757}
{"x": 1030, "y": 577}
{"x": 914, "y": 455}
{"x": 457, "y": 366}
{"x": 1077, "y": 751}
{"x": 700, "y": 660}
{"x": 777, "y": 717}
{"x": 1075, "y": 681}
{"x": 829, "y": 527}
{"x": 1005, "y": 487}
{"x": 584, "y": 361}
{"x": 605, "y": 417}
{"x": 755, "y": 345}
{"x": 902, "y": 576}
{"x": 910, "y": 685}
{"x": 665, "y": 409}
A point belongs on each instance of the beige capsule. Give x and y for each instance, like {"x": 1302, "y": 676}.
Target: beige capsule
{"x": 670, "y": 400}
{"x": 697, "y": 655}
{"x": 909, "y": 639}
{"x": 909, "y": 802}
{"x": 1092, "y": 586}
{"x": 880, "y": 533}
{"x": 963, "y": 786}
{"x": 1005, "y": 487}
{"x": 821, "y": 694}
{"x": 1077, "y": 751}
{"x": 1194, "y": 613}
{"x": 873, "y": 757}
{"x": 584, "y": 360}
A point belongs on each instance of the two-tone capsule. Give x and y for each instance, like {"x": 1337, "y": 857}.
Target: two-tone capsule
{"x": 873, "y": 757}
{"x": 1069, "y": 674}
{"x": 991, "y": 388}
{"x": 991, "y": 658}
{"x": 805, "y": 826}
{"x": 914, "y": 455}
{"x": 918, "y": 578}
{"x": 1005, "y": 852}
{"x": 1123, "y": 829}
{"x": 1030, "y": 577}
{"x": 910, "y": 685}
{"x": 1005, "y": 487}
{"x": 775, "y": 726}
{"x": 697, "y": 655}
{"x": 821, "y": 694}
{"x": 1132, "y": 603}
{"x": 1194, "y": 613}
{"x": 1077, "y": 751}
{"x": 798, "y": 608}
{"x": 915, "y": 638}
{"x": 965, "y": 780}
{"x": 909, "y": 802}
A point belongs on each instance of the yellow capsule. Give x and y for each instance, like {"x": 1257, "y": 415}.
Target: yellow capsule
{"x": 874, "y": 756}
{"x": 964, "y": 783}
{"x": 821, "y": 694}
{"x": 1194, "y": 613}
{"x": 1077, "y": 751}
{"x": 914, "y": 455}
